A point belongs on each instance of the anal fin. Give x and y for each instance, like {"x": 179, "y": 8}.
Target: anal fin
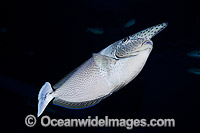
{"x": 117, "y": 88}
{"x": 77, "y": 105}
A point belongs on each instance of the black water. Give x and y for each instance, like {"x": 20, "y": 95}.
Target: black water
{"x": 45, "y": 40}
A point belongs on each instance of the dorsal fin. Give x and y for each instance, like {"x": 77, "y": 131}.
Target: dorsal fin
{"x": 62, "y": 81}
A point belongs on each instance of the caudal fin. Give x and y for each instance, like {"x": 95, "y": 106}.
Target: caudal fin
{"x": 45, "y": 96}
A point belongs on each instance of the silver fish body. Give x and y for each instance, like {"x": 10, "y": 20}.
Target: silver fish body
{"x": 104, "y": 73}
{"x": 86, "y": 83}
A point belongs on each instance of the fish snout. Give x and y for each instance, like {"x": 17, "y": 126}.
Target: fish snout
{"x": 150, "y": 32}
{"x": 157, "y": 29}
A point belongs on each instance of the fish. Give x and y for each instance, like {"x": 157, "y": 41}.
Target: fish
{"x": 103, "y": 74}
{"x": 195, "y": 54}
{"x": 96, "y": 30}
{"x": 194, "y": 71}
{"x": 129, "y": 23}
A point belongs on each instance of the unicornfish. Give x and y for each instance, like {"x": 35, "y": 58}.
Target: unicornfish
{"x": 103, "y": 74}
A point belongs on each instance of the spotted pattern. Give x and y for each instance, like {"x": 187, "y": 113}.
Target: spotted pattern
{"x": 150, "y": 32}
{"x": 126, "y": 49}
{"x": 127, "y": 45}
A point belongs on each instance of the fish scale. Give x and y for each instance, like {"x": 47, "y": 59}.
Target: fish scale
{"x": 79, "y": 83}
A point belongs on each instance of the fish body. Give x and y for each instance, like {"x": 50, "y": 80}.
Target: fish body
{"x": 104, "y": 73}
{"x": 195, "y": 54}
{"x": 129, "y": 23}
{"x": 96, "y": 30}
{"x": 194, "y": 71}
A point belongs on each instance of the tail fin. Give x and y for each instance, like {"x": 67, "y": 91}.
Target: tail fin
{"x": 45, "y": 96}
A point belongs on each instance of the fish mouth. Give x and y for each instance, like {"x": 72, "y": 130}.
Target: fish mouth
{"x": 142, "y": 50}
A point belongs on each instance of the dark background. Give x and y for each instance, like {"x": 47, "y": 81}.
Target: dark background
{"x": 44, "y": 40}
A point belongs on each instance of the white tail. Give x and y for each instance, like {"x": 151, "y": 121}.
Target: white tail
{"x": 45, "y": 96}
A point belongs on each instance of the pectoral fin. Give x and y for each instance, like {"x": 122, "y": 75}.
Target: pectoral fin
{"x": 105, "y": 63}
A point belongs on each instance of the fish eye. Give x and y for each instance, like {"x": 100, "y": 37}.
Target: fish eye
{"x": 125, "y": 39}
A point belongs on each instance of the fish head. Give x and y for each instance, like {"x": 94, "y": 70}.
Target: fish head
{"x": 131, "y": 47}
{"x": 138, "y": 43}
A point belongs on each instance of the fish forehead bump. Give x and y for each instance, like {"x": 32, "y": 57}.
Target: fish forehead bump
{"x": 150, "y": 32}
